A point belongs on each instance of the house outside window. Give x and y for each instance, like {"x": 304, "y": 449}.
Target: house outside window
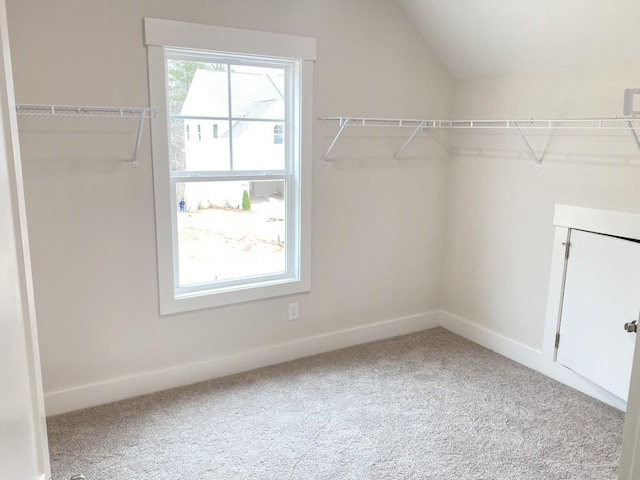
{"x": 278, "y": 134}
{"x": 232, "y": 210}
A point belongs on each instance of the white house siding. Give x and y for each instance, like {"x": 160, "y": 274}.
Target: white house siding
{"x": 254, "y": 145}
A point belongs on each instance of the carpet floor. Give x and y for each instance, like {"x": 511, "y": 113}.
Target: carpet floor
{"x": 429, "y": 405}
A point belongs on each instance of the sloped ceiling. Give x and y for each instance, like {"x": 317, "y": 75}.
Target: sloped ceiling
{"x": 480, "y": 38}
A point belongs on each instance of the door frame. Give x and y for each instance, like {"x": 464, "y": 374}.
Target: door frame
{"x": 630, "y": 457}
{"x": 22, "y": 305}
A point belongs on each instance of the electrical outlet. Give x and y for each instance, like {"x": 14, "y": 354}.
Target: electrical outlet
{"x": 293, "y": 311}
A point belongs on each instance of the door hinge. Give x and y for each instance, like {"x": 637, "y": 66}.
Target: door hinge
{"x": 567, "y": 247}
{"x": 557, "y": 340}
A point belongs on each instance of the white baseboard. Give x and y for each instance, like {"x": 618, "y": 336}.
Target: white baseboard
{"x": 527, "y": 356}
{"x": 84, "y": 396}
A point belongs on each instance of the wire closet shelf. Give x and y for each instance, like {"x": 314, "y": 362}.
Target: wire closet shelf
{"x": 136, "y": 113}
{"x": 629, "y": 124}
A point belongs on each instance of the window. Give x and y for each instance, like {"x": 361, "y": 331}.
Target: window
{"x": 233, "y": 210}
{"x": 278, "y": 134}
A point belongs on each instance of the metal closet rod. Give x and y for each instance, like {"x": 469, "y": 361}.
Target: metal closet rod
{"x": 614, "y": 123}
{"x": 139, "y": 113}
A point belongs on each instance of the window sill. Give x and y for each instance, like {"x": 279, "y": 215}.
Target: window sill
{"x": 185, "y": 302}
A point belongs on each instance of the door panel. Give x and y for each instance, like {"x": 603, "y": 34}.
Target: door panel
{"x": 602, "y": 293}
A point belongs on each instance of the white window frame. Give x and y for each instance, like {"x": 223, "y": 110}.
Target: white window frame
{"x": 163, "y": 35}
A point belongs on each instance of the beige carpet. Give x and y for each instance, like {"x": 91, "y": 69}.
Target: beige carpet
{"x": 429, "y": 405}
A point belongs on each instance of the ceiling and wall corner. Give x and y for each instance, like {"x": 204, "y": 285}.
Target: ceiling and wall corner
{"x": 500, "y": 37}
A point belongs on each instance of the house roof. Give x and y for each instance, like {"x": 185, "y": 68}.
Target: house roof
{"x": 479, "y": 38}
{"x": 253, "y": 94}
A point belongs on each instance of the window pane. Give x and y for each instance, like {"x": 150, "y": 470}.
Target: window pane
{"x": 226, "y": 234}
{"x": 257, "y": 92}
{"x": 197, "y": 88}
{"x": 278, "y": 134}
{"x": 195, "y": 146}
{"x": 255, "y": 148}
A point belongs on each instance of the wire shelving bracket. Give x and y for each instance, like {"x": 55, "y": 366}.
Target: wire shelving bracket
{"x": 634, "y": 133}
{"x": 409, "y": 140}
{"x": 536, "y": 158}
{"x": 630, "y": 123}
{"x": 139, "y": 113}
{"x": 343, "y": 123}
{"x": 417, "y": 125}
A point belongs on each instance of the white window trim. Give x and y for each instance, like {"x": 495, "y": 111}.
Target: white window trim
{"x": 161, "y": 34}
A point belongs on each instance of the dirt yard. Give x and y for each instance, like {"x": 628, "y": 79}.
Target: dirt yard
{"x": 222, "y": 244}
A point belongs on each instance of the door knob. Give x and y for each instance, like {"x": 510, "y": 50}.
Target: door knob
{"x": 631, "y": 327}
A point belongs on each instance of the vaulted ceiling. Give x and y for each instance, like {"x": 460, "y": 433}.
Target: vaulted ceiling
{"x": 479, "y": 38}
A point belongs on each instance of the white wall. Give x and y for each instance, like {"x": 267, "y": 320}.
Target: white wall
{"x": 500, "y": 208}
{"x": 377, "y": 227}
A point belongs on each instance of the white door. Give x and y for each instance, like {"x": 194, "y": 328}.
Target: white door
{"x": 602, "y": 293}
{"x": 23, "y": 442}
